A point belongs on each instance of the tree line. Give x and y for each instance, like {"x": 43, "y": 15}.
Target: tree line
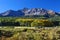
{"x": 29, "y": 22}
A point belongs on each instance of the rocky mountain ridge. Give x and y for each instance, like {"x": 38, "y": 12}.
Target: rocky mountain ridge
{"x": 30, "y": 12}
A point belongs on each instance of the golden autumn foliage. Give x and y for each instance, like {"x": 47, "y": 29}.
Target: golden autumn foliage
{"x": 43, "y": 23}
{"x": 29, "y": 22}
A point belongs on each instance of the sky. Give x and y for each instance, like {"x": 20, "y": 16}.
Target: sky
{"x": 20, "y": 4}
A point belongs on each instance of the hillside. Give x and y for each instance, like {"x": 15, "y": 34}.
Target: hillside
{"x": 33, "y": 12}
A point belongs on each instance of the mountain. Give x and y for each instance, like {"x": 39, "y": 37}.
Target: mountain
{"x": 12, "y": 13}
{"x": 30, "y": 12}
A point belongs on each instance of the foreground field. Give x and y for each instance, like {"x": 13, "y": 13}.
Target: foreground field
{"x": 47, "y": 33}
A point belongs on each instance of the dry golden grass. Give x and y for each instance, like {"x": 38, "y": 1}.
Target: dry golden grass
{"x": 35, "y": 34}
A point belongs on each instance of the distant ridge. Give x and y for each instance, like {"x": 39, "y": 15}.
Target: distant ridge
{"x": 30, "y": 12}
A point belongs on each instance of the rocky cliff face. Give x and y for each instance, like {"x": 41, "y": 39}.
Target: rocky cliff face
{"x": 30, "y": 12}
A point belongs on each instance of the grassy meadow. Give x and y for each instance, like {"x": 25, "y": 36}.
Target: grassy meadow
{"x": 32, "y": 33}
{"x": 12, "y": 28}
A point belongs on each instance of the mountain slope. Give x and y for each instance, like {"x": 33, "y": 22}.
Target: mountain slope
{"x": 30, "y": 12}
{"x": 12, "y": 13}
